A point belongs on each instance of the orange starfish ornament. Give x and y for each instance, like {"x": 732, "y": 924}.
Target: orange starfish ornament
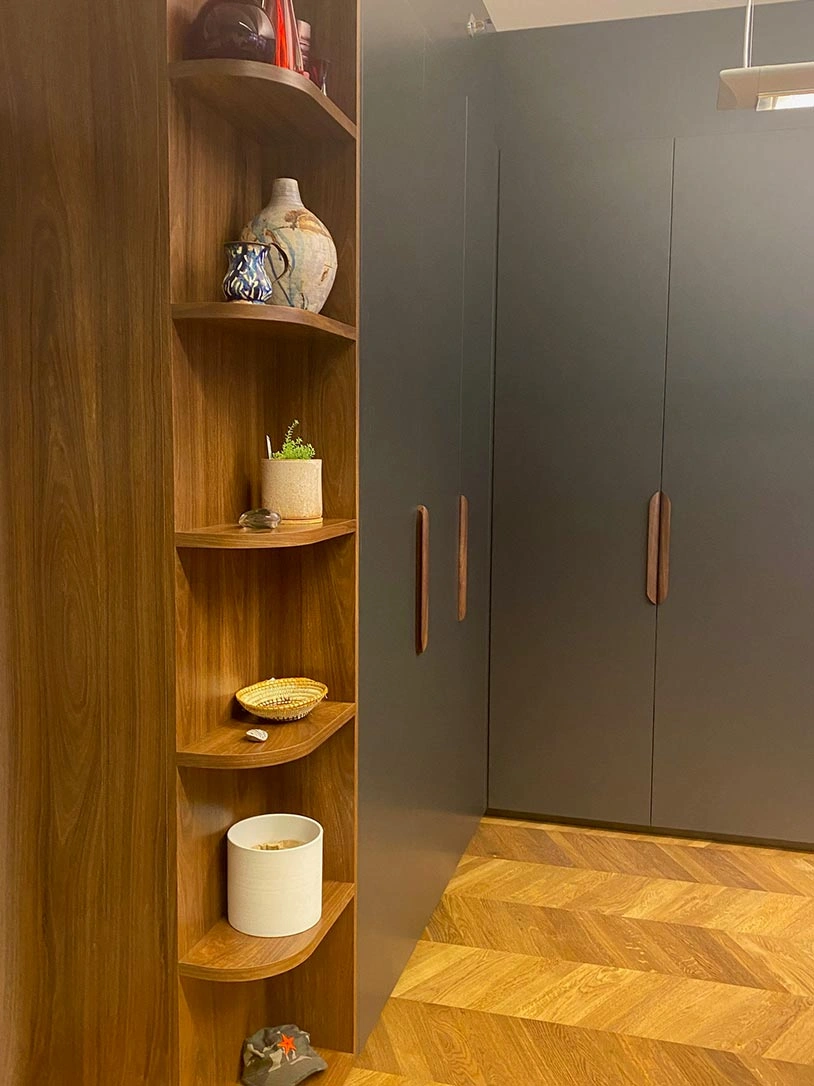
{"x": 287, "y": 1044}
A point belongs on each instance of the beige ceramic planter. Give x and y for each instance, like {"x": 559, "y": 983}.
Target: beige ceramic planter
{"x": 274, "y": 893}
{"x": 293, "y": 488}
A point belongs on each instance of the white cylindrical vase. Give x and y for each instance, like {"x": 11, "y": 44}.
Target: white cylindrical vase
{"x": 279, "y": 892}
{"x": 293, "y": 488}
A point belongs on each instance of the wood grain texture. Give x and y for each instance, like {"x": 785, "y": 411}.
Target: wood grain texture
{"x": 210, "y": 801}
{"x": 463, "y": 555}
{"x": 319, "y": 786}
{"x": 85, "y": 549}
{"x": 652, "y": 581}
{"x": 665, "y": 529}
{"x": 335, "y": 35}
{"x": 226, "y": 746}
{"x": 269, "y": 606}
{"x": 422, "y": 579}
{"x": 231, "y": 391}
{"x": 577, "y": 956}
{"x": 227, "y": 955}
{"x": 216, "y": 1018}
{"x": 267, "y": 320}
{"x": 231, "y": 537}
{"x": 264, "y": 101}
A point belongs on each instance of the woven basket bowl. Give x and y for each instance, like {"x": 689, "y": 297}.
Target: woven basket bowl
{"x": 282, "y": 699}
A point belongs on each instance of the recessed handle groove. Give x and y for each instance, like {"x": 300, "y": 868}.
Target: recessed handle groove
{"x": 463, "y": 555}
{"x": 422, "y": 579}
{"x": 653, "y": 518}
{"x": 665, "y": 528}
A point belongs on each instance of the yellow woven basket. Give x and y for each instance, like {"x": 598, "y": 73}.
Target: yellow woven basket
{"x": 282, "y": 699}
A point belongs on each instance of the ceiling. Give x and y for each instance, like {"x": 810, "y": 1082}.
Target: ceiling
{"x": 522, "y": 14}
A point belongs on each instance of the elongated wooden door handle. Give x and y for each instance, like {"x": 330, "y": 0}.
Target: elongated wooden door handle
{"x": 665, "y": 526}
{"x": 463, "y": 555}
{"x": 422, "y": 579}
{"x": 653, "y": 519}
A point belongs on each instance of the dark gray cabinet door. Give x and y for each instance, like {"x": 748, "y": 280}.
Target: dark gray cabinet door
{"x": 582, "y": 318}
{"x": 425, "y": 265}
{"x": 734, "y": 737}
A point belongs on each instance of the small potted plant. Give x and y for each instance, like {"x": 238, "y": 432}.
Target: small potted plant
{"x": 292, "y": 480}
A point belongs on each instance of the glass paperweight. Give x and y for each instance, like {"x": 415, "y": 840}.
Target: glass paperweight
{"x": 232, "y": 29}
{"x": 259, "y": 520}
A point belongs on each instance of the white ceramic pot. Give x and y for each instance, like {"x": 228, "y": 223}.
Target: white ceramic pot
{"x": 274, "y": 893}
{"x": 304, "y": 278}
{"x": 293, "y": 488}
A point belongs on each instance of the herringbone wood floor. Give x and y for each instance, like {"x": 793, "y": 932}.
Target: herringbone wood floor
{"x": 563, "y": 956}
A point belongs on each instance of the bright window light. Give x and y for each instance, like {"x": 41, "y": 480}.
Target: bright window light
{"x": 785, "y": 101}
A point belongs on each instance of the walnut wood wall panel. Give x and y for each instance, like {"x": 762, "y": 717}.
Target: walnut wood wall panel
{"x": 86, "y": 579}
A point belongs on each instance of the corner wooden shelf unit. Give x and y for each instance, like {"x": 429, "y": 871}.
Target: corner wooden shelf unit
{"x": 249, "y": 606}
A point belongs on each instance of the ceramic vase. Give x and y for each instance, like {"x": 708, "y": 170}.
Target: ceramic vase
{"x": 307, "y": 243}
{"x": 274, "y": 893}
{"x": 293, "y": 488}
{"x": 247, "y": 279}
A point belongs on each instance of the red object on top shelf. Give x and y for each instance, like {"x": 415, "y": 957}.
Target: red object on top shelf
{"x": 262, "y": 30}
{"x": 281, "y": 52}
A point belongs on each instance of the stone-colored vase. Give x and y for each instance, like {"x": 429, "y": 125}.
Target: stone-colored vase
{"x": 310, "y": 249}
{"x": 294, "y": 489}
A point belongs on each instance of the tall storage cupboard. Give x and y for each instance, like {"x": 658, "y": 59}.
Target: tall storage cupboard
{"x": 734, "y": 693}
{"x": 669, "y": 354}
{"x": 429, "y": 198}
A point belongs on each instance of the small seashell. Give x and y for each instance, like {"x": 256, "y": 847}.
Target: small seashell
{"x": 257, "y": 735}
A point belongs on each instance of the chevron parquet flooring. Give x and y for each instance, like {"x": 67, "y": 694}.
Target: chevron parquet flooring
{"x": 562, "y": 956}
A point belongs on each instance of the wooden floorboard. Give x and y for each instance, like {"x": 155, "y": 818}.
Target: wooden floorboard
{"x": 562, "y": 955}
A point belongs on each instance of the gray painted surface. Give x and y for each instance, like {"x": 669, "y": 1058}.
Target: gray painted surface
{"x": 584, "y": 243}
{"x": 735, "y": 694}
{"x": 427, "y": 261}
{"x": 572, "y": 94}
{"x": 639, "y": 78}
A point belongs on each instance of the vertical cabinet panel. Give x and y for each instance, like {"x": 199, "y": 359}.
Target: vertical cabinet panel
{"x": 85, "y": 550}
{"x": 584, "y": 246}
{"x": 389, "y": 898}
{"x": 477, "y": 376}
{"x": 734, "y": 742}
{"x": 423, "y": 741}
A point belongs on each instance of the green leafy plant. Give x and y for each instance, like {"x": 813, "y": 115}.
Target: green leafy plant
{"x": 294, "y": 448}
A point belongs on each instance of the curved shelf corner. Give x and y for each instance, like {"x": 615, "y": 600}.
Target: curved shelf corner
{"x": 262, "y": 99}
{"x": 269, "y": 320}
{"x": 231, "y": 537}
{"x": 226, "y": 746}
{"x": 225, "y": 955}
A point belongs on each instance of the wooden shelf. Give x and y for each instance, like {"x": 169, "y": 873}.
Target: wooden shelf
{"x": 227, "y": 747}
{"x": 263, "y": 100}
{"x": 230, "y": 537}
{"x": 269, "y": 320}
{"x": 226, "y": 955}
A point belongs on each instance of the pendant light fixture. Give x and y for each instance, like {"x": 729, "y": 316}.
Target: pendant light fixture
{"x": 774, "y": 86}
